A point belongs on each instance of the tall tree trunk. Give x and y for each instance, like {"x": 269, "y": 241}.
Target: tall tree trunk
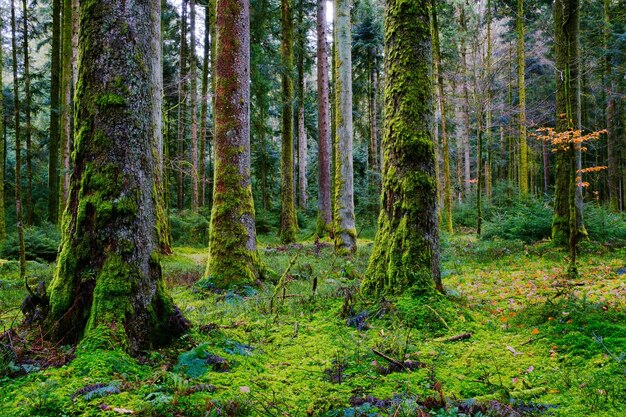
{"x": 447, "y": 189}
{"x": 233, "y": 256}
{"x": 182, "y": 109}
{"x": 374, "y": 116}
{"x": 55, "y": 80}
{"x": 3, "y": 229}
{"x": 109, "y": 274}
{"x": 488, "y": 106}
{"x": 466, "y": 107}
{"x": 193, "y": 80}
{"x": 406, "y": 249}
{"x": 67, "y": 33}
{"x": 344, "y": 223}
{"x": 325, "y": 218}
{"x": 28, "y": 125}
{"x": 521, "y": 80}
{"x": 204, "y": 110}
{"x": 567, "y": 224}
{"x": 18, "y": 149}
{"x": 302, "y": 145}
{"x": 612, "y": 138}
{"x": 288, "y": 222}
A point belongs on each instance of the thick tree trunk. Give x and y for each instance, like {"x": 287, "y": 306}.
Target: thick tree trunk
{"x": 3, "y": 229}
{"x": 204, "y": 110}
{"x": 108, "y": 271}
{"x": 233, "y": 256}
{"x": 521, "y": 80}
{"x": 406, "y": 249}
{"x": 288, "y": 222}
{"x": 325, "y": 218}
{"x": 18, "y": 148}
{"x": 55, "y": 79}
{"x": 193, "y": 102}
{"x": 65, "y": 143}
{"x": 447, "y": 189}
{"x": 182, "y": 109}
{"x": 344, "y": 223}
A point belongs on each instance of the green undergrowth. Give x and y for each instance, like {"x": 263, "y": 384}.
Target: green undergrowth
{"x": 304, "y": 345}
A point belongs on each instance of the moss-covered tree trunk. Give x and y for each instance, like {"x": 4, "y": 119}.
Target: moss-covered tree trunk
{"x": 567, "y": 113}
{"x": 108, "y": 271}
{"x": 3, "y": 229}
{"x": 325, "y": 217}
{"x": 18, "y": 147}
{"x": 53, "y": 147}
{"x": 204, "y": 106}
{"x": 30, "y": 207}
{"x": 447, "y": 191}
{"x": 611, "y": 107}
{"x": 344, "y": 222}
{"x": 182, "y": 109}
{"x": 467, "y": 164}
{"x": 288, "y": 223}
{"x": 406, "y": 249}
{"x": 233, "y": 256}
{"x": 65, "y": 142}
{"x": 521, "y": 85}
{"x": 193, "y": 104}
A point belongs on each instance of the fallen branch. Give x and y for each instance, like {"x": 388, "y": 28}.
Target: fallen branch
{"x": 456, "y": 338}
{"x": 389, "y": 359}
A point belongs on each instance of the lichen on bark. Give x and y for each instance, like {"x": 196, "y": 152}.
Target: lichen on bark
{"x": 406, "y": 248}
{"x": 108, "y": 271}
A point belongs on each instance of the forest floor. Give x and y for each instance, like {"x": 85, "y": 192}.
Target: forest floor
{"x": 539, "y": 344}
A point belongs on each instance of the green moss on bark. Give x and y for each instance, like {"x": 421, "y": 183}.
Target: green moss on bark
{"x": 406, "y": 249}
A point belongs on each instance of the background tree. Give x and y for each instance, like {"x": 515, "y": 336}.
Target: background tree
{"x": 108, "y": 271}
{"x": 406, "y": 249}
{"x": 55, "y": 79}
{"x": 344, "y": 221}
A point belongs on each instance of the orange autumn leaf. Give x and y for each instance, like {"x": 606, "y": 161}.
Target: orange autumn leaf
{"x": 535, "y": 331}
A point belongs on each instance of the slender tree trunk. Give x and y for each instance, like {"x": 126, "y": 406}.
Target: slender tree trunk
{"x": 28, "y": 125}
{"x": 108, "y": 274}
{"x": 374, "y": 117}
{"x": 466, "y": 106}
{"x": 67, "y": 33}
{"x": 302, "y": 145}
{"x": 447, "y": 188}
{"x": 55, "y": 80}
{"x": 233, "y": 256}
{"x": 204, "y": 131}
{"x": 193, "y": 79}
{"x": 406, "y": 249}
{"x": 546, "y": 167}
{"x": 182, "y": 108}
{"x": 612, "y": 139}
{"x": 521, "y": 79}
{"x": 288, "y": 222}
{"x": 325, "y": 218}
{"x": 488, "y": 106}
{"x": 344, "y": 226}
{"x": 18, "y": 149}
{"x": 3, "y": 229}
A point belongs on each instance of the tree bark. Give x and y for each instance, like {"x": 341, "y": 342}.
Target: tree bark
{"x": 193, "y": 102}
{"x": 406, "y": 248}
{"x": 325, "y": 218}
{"x": 55, "y": 79}
{"x": 344, "y": 222}
{"x": 302, "y": 143}
{"x": 108, "y": 274}
{"x": 18, "y": 149}
{"x": 67, "y": 33}
{"x": 466, "y": 107}
{"x": 288, "y": 222}
{"x": 3, "y": 229}
{"x": 612, "y": 138}
{"x": 233, "y": 256}
{"x": 447, "y": 189}
{"x": 27, "y": 117}
{"x": 521, "y": 80}
{"x": 182, "y": 109}
{"x": 204, "y": 110}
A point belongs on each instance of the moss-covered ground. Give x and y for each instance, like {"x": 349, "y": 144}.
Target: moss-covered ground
{"x": 305, "y": 347}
